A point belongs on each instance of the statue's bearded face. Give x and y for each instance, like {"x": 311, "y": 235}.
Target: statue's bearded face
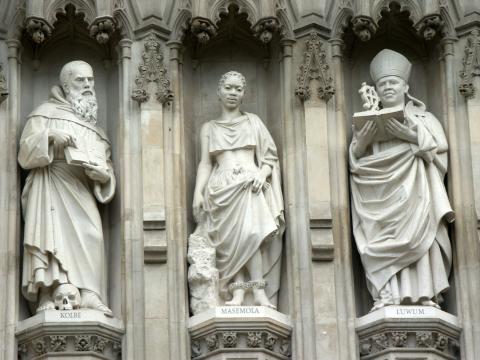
{"x": 391, "y": 90}
{"x": 81, "y": 94}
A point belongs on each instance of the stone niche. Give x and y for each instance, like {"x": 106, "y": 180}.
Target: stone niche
{"x": 214, "y": 333}
{"x": 65, "y": 331}
{"x": 410, "y": 331}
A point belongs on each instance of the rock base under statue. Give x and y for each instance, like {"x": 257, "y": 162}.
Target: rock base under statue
{"x": 70, "y": 334}
{"x": 408, "y": 332}
{"x": 240, "y": 332}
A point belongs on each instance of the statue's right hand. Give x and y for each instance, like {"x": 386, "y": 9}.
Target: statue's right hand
{"x": 61, "y": 138}
{"x": 366, "y": 134}
{"x": 198, "y": 206}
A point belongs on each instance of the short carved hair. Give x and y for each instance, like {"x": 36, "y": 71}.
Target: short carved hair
{"x": 67, "y": 70}
{"x": 236, "y": 74}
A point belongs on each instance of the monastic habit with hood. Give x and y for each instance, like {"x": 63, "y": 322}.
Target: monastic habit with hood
{"x": 63, "y": 237}
{"x": 400, "y": 205}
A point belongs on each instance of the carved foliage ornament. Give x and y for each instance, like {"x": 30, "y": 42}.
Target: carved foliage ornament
{"x": 59, "y": 343}
{"x": 398, "y": 339}
{"x": 364, "y": 27}
{"x": 265, "y": 28}
{"x": 203, "y": 345}
{"x": 429, "y": 26}
{"x": 314, "y": 66}
{"x": 3, "y": 85}
{"x": 102, "y": 29}
{"x": 471, "y": 64}
{"x": 203, "y": 29}
{"x": 152, "y": 70}
{"x": 38, "y": 29}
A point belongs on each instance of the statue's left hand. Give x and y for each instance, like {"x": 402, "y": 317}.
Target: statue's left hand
{"x": 401, "y": 131}
{"x": 258, "y": 182}
{"x": 96, "y": 173}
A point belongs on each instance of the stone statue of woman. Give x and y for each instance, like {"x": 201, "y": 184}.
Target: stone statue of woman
{"x": 400, "y": 207}
{"x": 238, "y": 200}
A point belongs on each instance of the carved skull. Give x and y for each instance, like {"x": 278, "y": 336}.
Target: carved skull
{"x": 66, "y": 297}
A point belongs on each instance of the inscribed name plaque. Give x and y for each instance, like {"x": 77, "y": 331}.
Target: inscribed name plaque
{"x": 78, "y": 334}
{"x": 408, "y": 332}
{"x": 229, "y": 332}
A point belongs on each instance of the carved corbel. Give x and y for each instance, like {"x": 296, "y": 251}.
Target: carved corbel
{"x": 265, "y": 28}
{"x": 364, "y": 27}
{"x": 150, "y": 70}
{"x": 314, "y": 66}
{"x": 471, "y": 64}
{"x": 102, "y": 28}
{"x": 39, "y": 29}
{"x": 429, "y": 26}
{"x": 3, "y": 85}
{"x": 204, "y": 29}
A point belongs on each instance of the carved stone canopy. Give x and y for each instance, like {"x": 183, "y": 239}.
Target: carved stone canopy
{"x": 102, "y": 28}
{"x": 314, "y": 66}
{"x": 364, "y": 27}
{"x": 151, "y": 70}
{"x": 39, "y": 29}
{"x": 429, "y": 26}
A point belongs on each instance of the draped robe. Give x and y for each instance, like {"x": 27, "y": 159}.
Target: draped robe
{"x": 63, "y": 236}
{"x": 399, "y": 210}
{"x": 240, "y": 222}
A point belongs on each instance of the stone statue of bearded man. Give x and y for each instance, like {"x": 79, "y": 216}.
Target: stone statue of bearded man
{"x": 68, "y": 158}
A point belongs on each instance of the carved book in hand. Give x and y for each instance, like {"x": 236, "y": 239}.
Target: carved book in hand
{"x": 380, "y": 117}
{"x": 90, "y": 153}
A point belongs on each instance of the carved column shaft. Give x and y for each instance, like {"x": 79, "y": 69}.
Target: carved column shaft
{"x": 176, "y": 215}
{"x": 296, "y": 209}
{"x": 9, "y": 219}
{"x": 131, "y": 213}
{"x": 461, "y": 189}
{"x": 341, "y": 214}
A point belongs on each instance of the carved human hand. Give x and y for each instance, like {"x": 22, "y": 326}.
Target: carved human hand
{"x": 364, "y": 137}
{"x": 258, "y": 181}
{"x": 61, "y": 138}
{"x": 96, "y": 173}
{"x": 198, "y": 205}
{"x": 401, "y": 131}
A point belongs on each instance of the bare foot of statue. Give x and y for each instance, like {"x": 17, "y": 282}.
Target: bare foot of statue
{"x": 261, "y": 299}
{"x": 237, "y": 299}
{"x": 91, "y": 300}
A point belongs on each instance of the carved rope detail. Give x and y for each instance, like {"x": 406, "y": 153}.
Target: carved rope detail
{"x": 152, "y": 70}
{"x": 390, "y": 340}
{"x": 58, "y": 343}
{"x": 314, "y": 66}
{"x": 471, "y": 64}
{"x": 240, "y": 339}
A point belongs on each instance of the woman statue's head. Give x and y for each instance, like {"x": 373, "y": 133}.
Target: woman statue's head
{"x": 231, "y": 89}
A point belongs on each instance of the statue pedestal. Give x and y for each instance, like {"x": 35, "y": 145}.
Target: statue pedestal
{"x": 408, "y": 332}
{"x": 240, "y": 332}
{"x": 70, "y": 334}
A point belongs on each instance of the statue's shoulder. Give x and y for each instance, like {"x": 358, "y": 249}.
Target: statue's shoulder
{"x": 52, "y": 110}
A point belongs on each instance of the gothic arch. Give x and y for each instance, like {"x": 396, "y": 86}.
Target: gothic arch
{"x": 411, "y": 6}
{"x": 249, "y": 7}
{"x": 341, "y": 22}
{"x": 181, "y": 24}
{"x": 86, "y": 7}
